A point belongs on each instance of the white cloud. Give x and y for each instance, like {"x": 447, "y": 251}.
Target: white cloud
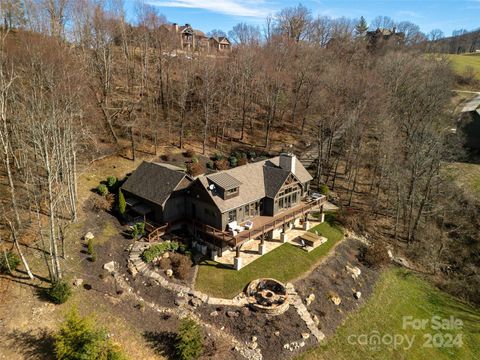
{"x": 248, "y": 8}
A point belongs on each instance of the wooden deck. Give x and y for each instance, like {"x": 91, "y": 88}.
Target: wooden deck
{"x": 265, "y": 224}
{"x": 261, "y": 225}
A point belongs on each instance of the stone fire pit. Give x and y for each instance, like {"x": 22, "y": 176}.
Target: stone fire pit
{"x": 268, "y": 296}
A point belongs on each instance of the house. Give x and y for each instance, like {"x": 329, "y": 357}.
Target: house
{"x": 382, "y": 37}
{"x": 225, "y": 209}
{"x": 187, "y": 38}
{"x": 220, "y": 43}
{"x": 468, "y": 123}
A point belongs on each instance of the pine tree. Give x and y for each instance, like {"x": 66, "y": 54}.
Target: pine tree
{"x": 189, "y": 340}
{"x": 122, "y": 205}
{"x": 79, "y": 339}
{"x": 362, "y": 27}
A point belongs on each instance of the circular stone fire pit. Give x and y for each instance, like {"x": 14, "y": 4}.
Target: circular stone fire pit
{"x": 268, "y": 296}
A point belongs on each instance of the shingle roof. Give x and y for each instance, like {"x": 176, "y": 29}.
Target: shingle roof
{"x": 224, "y": 180}
{"x": 258, "y": 180}
{"x": 154, "y": 182}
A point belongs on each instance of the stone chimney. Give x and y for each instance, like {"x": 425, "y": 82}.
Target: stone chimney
{"x": 288, "y": 162}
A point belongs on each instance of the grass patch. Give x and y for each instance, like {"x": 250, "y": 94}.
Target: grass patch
{"x": 461, "y": 62}
{"x": 285, "y": 263}
{"x": 466, "y": 176}
{"x": 400, "y": 293}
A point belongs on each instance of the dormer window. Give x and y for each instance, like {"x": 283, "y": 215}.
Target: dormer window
{"x": 227, "y": 186}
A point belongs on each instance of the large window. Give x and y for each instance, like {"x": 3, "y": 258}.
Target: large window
{"x": 232, "y": 215}
{"x": 288, "y": 197}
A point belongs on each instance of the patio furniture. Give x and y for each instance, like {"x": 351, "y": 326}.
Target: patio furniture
{"x": 234, "y": 228}
{"x": 312, "y": 239}
{"x": 249, "y": 224}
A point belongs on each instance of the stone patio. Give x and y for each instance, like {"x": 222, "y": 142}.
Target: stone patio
{"x": 250, "y": 249}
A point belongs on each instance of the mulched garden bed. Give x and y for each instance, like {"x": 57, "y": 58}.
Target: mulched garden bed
{"x": 332, "y": 276}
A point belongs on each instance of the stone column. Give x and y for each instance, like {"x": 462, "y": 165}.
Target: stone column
{"x": 214, "y": 254}
{"x": 322, "y": 217}
{"x": 306, "y": 225}
{"x": 262, "y": 248}
{"x": 283, "y": 235}
{"x": 237, "y": 263}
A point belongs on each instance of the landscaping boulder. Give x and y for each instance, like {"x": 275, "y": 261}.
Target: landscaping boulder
{"x": 88, "y": 236}
{"x": 355, "y": 271}
{"x": 232, "y": 314}
{"x": 335, "y": 299}
{"x": 180, "y": 301}
{"x": 310, "y": 299}
{"x": 214, "y": 313}
{"x": 357, "y": 295}
{"x": 77, "y": 282}
{"x": 169, "y": 272}
{"x": 196, "y": 302}
{"x": 305, "y": 335}
{"x": 110, "y": 266}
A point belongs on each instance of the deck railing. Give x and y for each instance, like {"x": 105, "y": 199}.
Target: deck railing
{"x": 218, "y": 236}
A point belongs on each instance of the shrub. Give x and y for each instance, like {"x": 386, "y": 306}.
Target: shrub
{"x": 165, "y": 263}
{"x": 375, "y": 255}
{"x": 324, "y": 189}
{"x": 217, "y": 157}
{"x": 102, "y": 189}
{"x": 156, "y": 250}
{"x": 209, "y": 165}
{"x": 165, "y": 157}
{"x": 195, "y": 160}
{"x": 111, "y": 181}
{"x": 99, "y": 203}
{"x": 79, "y": 339}
{"x": 252, "y": 155}
{"x": 122, "y": 204}
{"x": 59, "y": 292}
{"x": 181, "y": 265}
{"x": 8, "y": 262}
{"x": 190, "y": 153}
{"x": 189, "y": 342}
{"x": 233, "y": 161}
{"x": 195, "y": 169}
{"x": 90, "y": 249}
{"x": 222, "y": 164}
{"x": 138, "y": 230}
{"x": 242, "y": 161}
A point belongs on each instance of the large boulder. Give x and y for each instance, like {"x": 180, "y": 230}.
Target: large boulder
{"x": 78, "y": 282}
{"x": 88, "y": 236}
{"x": 110, "y": 266}
{"x": 310, "y": 299}
{"x": 355, "y": 271}
{"x": 335, "y": 298}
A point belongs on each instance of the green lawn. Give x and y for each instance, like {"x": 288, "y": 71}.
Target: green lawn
{"x": 460, "y": 62}
{"x": 285, "y": 263}
{"x": 400, "y": 293}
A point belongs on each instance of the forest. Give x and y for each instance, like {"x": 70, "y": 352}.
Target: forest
{"x": 79, "y": 81}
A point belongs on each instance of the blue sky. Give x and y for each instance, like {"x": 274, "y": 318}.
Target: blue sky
{"x": 206, "y": 15}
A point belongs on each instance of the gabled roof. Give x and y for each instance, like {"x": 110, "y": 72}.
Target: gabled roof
{"x": 224, "y": 180}
{"x": 155, "y": 182}
{"x": 257, "y": 180}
